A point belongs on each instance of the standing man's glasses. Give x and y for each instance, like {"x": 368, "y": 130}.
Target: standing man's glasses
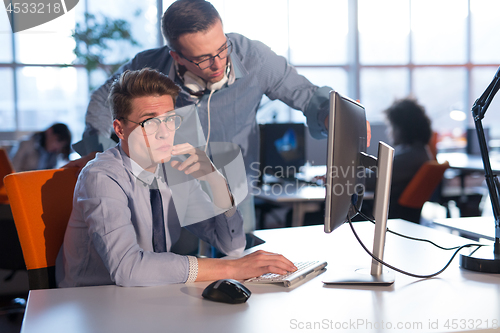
{"x": 208, "y": 62}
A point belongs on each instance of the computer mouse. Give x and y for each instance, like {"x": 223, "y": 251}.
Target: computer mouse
{"x": 227, "y": 291}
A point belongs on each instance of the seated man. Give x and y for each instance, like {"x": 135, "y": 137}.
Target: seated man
{"x": 112, "y": 237}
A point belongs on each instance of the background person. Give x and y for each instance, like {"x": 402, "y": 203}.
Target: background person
{"x": 42, "y": 150}
{"x": 409, "y": 130}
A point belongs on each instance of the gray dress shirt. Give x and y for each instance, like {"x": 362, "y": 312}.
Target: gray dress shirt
{"x": 109, "y": 235}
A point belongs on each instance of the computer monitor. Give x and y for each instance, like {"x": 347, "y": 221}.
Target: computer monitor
{"x": 282, "y": 149}
{"x": 347, "y": 161}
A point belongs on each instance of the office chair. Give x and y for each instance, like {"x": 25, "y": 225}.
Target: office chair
{"x": 420, "y": 189}
{"x": 11, "y": 257}
{"x": 41, "y": 203}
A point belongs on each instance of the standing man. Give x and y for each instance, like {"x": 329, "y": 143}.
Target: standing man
{"x": 225, "y": 75}
{"x": 125, "y": 215}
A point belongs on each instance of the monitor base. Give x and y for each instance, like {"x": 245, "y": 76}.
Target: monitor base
{"x": 359, "y": 277}
{"x": 483, "y": 260}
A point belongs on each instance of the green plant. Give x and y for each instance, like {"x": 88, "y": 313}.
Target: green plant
{"x": 92, "y": 42}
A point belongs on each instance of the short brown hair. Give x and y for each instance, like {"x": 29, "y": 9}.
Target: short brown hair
{"x": 187, "y": 17}
{"x": 139, "y": 83}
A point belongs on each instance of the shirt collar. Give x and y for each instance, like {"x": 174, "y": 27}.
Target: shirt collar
{"x": 237, "y": 68}
{"x": 144, "y": 176}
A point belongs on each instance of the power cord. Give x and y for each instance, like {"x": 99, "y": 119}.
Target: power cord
{"x": 400, "y": 270}
{"x": 372, "y": 220}
{"x": 208, "y": 114}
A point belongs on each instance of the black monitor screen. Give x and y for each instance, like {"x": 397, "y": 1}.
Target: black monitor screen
{"x": 345, "y": 179}
{"x": 282, "y": 149}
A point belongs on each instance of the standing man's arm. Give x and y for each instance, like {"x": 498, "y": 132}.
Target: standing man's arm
{"x": 280, "y": 80}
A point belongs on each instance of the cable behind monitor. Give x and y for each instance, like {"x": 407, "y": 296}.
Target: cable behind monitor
{"x": 372, "y": 220}
{"x": 400, "y": 270}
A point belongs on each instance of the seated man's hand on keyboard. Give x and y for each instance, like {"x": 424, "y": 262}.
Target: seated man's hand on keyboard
{"x": 258, "y": 263}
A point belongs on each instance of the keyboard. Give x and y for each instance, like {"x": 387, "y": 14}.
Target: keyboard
{"x": 304, "y": 269}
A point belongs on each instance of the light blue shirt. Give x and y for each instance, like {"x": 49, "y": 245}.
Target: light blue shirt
{"x": 109, "y": 235}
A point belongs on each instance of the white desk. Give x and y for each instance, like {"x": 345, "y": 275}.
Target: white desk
{"x": 303, "y": 198}
{"x": 454, "y": 296}
{"x": 468, "y": 163}
{"x": 472, "y": 227}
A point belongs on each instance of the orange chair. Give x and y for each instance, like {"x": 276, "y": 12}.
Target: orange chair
{"x": 423, "y": 184}
{"x": 5, "y": 169}
{"x": 41, "y": 203}
{"x": 11, "y": 256}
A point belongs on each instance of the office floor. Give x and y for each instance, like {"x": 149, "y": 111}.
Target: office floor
{"x": 9, "y": 290}
{"x": 11, "y": 322}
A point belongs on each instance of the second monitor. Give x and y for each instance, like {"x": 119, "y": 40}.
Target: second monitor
{"x": 282, "y": 150}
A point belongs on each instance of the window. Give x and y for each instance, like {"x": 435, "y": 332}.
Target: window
{"x": 5, "y": 38}
{"x": 443, "y": 52}
{"x": 380, "y": 87}
{"x": 318, "y": 37}
{"x": 383, "y": 33}
{"x": 439, "y": 31}
{"x": 441, "y": 90}
{"x": 7, "y": 114}
{"x": 41, "y": 88}
{"x": 485, "y": 40}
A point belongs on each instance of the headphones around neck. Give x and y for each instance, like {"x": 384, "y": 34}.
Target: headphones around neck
{"x": 196, "y": 85}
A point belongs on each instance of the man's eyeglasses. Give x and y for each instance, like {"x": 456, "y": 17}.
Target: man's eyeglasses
{"x": 223, "y": 54}
{"x": 152, "y": 125}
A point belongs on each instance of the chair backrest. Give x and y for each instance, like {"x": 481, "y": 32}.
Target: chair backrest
{"x": 6, "y": 168}
{"x": 423, "y": 184}
{"x": 41, "y": 203}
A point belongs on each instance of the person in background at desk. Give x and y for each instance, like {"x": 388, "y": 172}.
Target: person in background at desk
{"x": 112, "y": 237}
{"x": 409, "y": 130}
{"x": 225, "y": 75}
{"x": 43, "y": 149}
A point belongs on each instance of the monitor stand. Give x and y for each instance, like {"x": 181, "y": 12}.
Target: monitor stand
{"x": 376, "y": 275}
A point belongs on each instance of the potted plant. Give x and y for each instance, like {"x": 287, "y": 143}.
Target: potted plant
{"x": 95, "y": 37}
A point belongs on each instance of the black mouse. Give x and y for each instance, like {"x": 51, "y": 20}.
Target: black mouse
{"x": 227, "y": 291}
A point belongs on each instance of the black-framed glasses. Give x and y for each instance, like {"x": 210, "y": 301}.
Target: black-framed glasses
{"x": 151, "y": 125}
{"x": 206, "y": 63}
